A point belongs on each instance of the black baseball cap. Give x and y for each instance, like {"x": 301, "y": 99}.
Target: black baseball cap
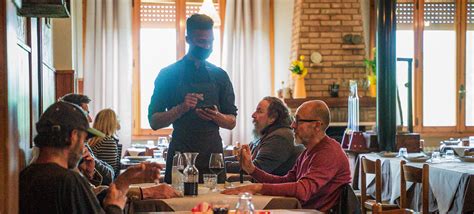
{"x": 65, "y": 116}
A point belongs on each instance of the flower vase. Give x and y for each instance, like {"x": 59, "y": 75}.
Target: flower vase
{"x": 300, "y": 88}
{"x": 372, "y": 85}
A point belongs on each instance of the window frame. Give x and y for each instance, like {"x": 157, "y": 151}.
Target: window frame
{"x": 460, "y": 23}
{"x": 137, "y": 132}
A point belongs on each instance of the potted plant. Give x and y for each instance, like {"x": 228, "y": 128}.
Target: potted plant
{"x": 371, "y": 67}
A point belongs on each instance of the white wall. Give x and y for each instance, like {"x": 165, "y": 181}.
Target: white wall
{"x": 62, "y": 43}
{"x": 283, "y": 26}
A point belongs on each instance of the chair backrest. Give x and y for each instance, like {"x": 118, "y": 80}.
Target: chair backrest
{"x": 415, "y": 175}
{"x": 371, "y": 167}
{"x": 377, "y": 209}
{"x": 348, "y": 202}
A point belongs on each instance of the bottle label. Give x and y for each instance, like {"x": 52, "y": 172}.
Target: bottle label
{"x": 190, "y": 188}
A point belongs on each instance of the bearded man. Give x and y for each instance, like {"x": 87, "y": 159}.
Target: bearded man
{"x": 274, "y": 150}
{"x": 321, "y": 171}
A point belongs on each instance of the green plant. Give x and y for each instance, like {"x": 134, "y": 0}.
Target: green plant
{"x": 371, "y": 65}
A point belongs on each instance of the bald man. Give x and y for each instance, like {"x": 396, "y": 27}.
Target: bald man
{"x": 320, "y": 171}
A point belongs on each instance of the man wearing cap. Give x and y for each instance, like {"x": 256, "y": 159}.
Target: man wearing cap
{"x": 49, "y": 185}
{"x": 105, "y": 173}
{"x": 196, "y": 97}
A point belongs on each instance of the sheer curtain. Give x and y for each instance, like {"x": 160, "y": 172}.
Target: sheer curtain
{"x": 108, "y": 60}
{"x": 246, "y": 57}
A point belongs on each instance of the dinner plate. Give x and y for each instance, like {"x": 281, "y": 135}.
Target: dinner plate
{"x": 137, "y": 158}
{"x": 388, "y": 154}
{"x": 419, "y": 159}
{"x": 316, "y": 57}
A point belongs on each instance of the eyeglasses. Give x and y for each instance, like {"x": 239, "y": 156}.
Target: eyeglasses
{"x": 298, "y": 120}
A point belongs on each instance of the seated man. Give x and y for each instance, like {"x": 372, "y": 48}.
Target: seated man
{"x": 320, "y": 171}
{"x": 49, "y": 185}
{"x": 274, "y": 150}
{"x": 102, "y": 173}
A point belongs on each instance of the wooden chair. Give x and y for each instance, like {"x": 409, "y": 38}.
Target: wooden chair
{"x": 468, "y": 152}
{"x": 415, "y": 175}
{"x": 377, "y": 209}
{"x": 372, "y": 167}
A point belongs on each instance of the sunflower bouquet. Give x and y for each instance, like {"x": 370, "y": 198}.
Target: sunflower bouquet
{"x": 297, "y": 67}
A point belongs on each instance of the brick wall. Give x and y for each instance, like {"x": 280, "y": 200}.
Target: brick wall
{"x": 319, "y": 25}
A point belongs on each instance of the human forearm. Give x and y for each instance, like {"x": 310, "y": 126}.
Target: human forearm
{"x": 303, "y": 189}
{"x": 264, "y": 177}
{"x": 164, "y": 119}
{"x": 226, "y": 121}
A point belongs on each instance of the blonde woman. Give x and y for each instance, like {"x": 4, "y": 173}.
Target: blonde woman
{"x": 107, "y": 148}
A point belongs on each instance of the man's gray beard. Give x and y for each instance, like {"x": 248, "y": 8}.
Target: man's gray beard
{"x": 256, "y": 133}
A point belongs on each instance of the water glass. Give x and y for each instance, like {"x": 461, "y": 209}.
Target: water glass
{"x": 402, "y": 152}
{"x": 157, "y": 154}
{"x": 449, "y": 154}
{"x": 435, "y": 157}
{"x": 210, "y": 181}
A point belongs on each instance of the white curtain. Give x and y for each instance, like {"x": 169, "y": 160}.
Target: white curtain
{"x": 108, "y": 60}
{"x": 246, "y": 57}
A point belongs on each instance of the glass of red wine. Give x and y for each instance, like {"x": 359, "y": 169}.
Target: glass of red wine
{"x": 216, "y": 163}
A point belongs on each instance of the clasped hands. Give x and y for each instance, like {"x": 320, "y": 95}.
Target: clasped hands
{"x": 190, "y": 102}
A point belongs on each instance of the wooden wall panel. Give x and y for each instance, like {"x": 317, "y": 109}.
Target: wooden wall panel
{"x": 9, "y": 168}
{"x": 25, "y": 83}
{"x": 35, "y": 104}
{"x": 21, "y": 98}
{"x": 48, "y": 97}
{"x": 65, "y": 83}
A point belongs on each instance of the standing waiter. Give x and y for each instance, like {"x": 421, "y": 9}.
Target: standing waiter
{"x": 197, "y": 97}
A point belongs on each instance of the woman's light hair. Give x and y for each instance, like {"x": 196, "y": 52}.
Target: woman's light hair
{"x": 105, "y": 121}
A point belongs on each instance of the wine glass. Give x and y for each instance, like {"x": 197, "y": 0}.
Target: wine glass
{"x": 216, "y": 163}
{"x": 181, "y": 164}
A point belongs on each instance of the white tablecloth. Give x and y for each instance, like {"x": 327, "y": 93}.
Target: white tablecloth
{"x": 448, "y": 182}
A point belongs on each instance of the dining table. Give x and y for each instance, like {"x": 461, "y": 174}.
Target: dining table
{"x": 271, "y": 211}
{"x": 186, "y": 203}
{"x": 451, "y": 183}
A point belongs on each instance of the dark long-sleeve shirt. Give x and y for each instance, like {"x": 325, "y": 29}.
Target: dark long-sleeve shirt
{"x": 50, "y": 188}
{"x": 275, "y": 152}
{"x": 315, "y": 179}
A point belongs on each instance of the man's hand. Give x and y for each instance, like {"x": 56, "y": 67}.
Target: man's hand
{"x": 246, "y": 159}
{"x": 142, "y": 173}
{"x": 190, "y": 101}
{"x": 208, "y": 113}
{"x": 251, "y": 188}
{"x": 115, "y": 197}
{"x": 161, "y": 191}
{"x": 87, "y": 167}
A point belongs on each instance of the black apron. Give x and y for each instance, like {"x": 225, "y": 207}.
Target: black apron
{"x": 191, "y": 133}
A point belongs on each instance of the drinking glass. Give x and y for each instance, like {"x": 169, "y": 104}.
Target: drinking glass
{"x": 435, "y": 157}
{"x": 402, "y": 152}
{"x": 210, "y": 181}
{"x": 216, "y": 163}
{"x": 449, "y": 154}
